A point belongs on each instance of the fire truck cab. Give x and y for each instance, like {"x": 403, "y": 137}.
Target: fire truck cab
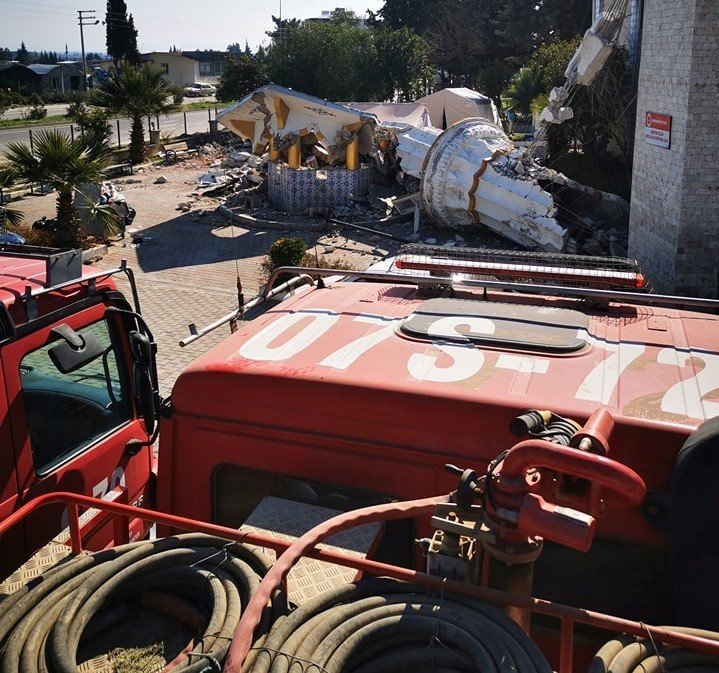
{"x": 78, "y": 379}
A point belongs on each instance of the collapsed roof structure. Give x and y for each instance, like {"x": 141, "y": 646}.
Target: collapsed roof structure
{"x": 277, "y": 119}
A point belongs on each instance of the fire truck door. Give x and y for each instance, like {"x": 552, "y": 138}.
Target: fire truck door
{"x": 13, "y": 542}
{"x": 72, "y": 418}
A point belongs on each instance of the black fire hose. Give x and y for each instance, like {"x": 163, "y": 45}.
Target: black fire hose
{"x": 627, "y": 654}
{"x": 42, "y": 624}
{"x": 383, "y": 626}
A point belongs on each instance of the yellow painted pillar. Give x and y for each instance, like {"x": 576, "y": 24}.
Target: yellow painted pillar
{"x": 294, "y": 156}
{"x": 274, "y": 153}
{"x": 353, "y": 154}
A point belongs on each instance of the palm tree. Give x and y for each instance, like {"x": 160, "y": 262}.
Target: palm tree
{"x": 526, "y": 84}
{"x": 63, "y": 164}
{"x": 138, "y": 93}
{"x": 9, "y": 216}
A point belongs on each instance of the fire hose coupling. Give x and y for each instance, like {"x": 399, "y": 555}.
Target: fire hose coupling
{"x": 513, "y": 481}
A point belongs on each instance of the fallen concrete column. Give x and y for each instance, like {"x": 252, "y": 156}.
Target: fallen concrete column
{"x": 413, "y": 147}
{"x": 473, "y": 175}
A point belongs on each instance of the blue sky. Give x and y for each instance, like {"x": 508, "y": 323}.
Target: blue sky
{"x": 188, "y": 24}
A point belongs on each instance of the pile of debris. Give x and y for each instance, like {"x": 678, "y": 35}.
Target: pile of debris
{"x": 313, "y": 159}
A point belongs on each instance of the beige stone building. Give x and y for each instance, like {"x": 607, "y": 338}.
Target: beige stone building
{"x": 185, "y": 67}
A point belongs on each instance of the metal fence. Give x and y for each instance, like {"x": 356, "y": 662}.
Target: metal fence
{"x": 174, "y": 124}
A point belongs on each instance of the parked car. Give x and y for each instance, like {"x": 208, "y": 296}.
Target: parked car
{"x": 12, "y": 238}
{"x": 200, "y": 89}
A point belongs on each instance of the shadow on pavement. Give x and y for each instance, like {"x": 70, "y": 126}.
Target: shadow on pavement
{"x": 187, "y": 240}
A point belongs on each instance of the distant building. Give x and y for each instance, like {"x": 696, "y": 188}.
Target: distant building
{"x": 329, "y": 14}
{"x": 64, "y": 76}
{"x": 40, "y": 77}
{"x": 185, "y": 67}
{"x": 16, "y": 76}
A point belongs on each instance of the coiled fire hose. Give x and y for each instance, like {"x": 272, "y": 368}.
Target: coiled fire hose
{"x": 42, "y": 624}
{"x": 629, "y": 654}
{"x": 380, "y": 625}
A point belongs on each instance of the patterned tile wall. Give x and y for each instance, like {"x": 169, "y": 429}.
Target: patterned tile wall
{"x": 294, "y": 190}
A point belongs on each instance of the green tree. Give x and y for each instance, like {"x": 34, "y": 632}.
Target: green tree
{"x": 121, "y": 36}
{"x": 341, "y": 61}
{"x": 417, "y": 15}
{"x": 551, "y": 60}
{"x": 482, "y": 43}
{"x": 91, "y": 120}
{"x": 403, "y": 59}
{"x": 524, "y": 87}
{"x": 23, "y": 56}
{"x": 63, "y": 164}
{"x": 5, "y": 54}
{"x": 137, "y": 92}
{"x": 603, "y": 116}
{"x": 243, "y": 74}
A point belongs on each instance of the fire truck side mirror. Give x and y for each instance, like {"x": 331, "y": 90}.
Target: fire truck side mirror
{"x": 146, "y": 393}
{"x": 74, "y": 351}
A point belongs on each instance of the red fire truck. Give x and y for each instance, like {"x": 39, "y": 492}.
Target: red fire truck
{"x": 578, "y": 420}
{"x": 77, "y": 378}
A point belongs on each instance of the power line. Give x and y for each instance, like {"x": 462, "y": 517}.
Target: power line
{"x": 85, "y": 17}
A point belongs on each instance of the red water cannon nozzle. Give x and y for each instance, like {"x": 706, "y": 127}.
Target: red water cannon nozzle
{"x": 549, "y": 485}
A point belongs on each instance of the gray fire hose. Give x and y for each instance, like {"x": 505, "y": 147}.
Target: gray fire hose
{"x": 628, "y": 654}
{"x": 42, "y": 624}
{"x": 384, "y": 626}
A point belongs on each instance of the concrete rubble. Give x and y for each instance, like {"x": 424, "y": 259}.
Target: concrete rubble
{"x": 592, "y": 53}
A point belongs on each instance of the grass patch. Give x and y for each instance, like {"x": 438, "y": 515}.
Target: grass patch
{"x": 201, "y": 105}
{"x": 14, "y": 123}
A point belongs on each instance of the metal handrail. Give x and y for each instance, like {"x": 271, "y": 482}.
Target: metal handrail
{"x": 560, "y": 290}
{"x": 307, "y": 272}
{"x": 235, "y": 314}
{"x": 567, "y": 615}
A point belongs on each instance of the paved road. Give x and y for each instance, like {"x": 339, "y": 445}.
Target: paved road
{"x": 197, "y": 122}
{"x": 61, "y": 108}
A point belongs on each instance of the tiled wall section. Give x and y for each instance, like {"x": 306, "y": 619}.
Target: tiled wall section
{"x": 294, "y": 190}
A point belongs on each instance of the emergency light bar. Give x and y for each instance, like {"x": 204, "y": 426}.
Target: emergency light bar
{"x": 503, "y": 264}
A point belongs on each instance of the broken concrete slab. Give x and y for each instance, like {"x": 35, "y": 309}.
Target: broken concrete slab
{"x": 588, "y": 60}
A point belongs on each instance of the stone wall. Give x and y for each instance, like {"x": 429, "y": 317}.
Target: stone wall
{"x": 674, "y": 221}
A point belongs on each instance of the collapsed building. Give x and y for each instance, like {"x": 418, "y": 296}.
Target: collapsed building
{"x": 322, "y": 154}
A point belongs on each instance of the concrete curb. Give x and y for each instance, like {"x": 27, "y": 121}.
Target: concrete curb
{"x": 253, "y": 222}
{"x": 94, "y": 253}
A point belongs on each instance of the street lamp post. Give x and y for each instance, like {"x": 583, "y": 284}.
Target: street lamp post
{"x": 85, "y": 17}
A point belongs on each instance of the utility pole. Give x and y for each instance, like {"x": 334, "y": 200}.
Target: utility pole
{"x": 85, "y": 17}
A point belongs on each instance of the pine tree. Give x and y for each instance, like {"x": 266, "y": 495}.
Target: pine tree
{"x": 23, "y": 56}
{"x": 121, "y": 36}
{"x": 133, "y": 55}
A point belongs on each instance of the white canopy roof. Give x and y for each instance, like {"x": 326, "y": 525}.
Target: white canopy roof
{"x": 448, "y": 106}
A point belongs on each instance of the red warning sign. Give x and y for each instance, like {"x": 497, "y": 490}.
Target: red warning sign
{"x": 658, "y": 129}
